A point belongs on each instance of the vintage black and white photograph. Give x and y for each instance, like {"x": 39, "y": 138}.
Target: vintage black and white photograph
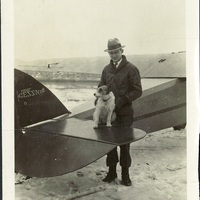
{"x": 100, "y": 100}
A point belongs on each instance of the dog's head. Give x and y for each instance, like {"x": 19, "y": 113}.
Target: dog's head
{"x": 101, "y": 91}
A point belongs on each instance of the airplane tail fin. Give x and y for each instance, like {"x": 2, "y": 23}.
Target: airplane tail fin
{"x": 34, "y": 102}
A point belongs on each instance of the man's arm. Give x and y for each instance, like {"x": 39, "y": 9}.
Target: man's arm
{"x": 135, "y": 84}
{"x": 135, "y": 92}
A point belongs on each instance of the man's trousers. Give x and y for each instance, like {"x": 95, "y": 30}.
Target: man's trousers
{"x": 125, "y": 158}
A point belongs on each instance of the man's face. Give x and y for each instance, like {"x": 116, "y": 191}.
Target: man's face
{"x": 116, "y": 55}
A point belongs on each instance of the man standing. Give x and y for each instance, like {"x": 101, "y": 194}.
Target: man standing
{"x": 123, "y": 79}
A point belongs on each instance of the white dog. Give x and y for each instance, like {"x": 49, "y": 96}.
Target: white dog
{"x": 105, "y": 104}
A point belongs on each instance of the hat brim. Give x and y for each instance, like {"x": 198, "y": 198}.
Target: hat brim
{"x": 108, "y": 50}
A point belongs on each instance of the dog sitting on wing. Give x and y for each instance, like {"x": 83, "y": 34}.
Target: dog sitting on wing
{"x": 104, "y": 106}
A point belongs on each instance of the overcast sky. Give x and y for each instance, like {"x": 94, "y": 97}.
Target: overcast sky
{"x": 78, "y": 28}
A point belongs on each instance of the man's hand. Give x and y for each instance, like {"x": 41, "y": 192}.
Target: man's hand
{"x": 120, "y": 102}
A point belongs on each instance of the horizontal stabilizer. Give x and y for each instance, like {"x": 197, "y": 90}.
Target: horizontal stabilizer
{"x": 40, "y": 154}
{"x": 77, "y": 128}
{"x": 62, "y": 146}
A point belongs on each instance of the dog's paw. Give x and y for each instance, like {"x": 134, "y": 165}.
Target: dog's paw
{"x": 108, "y": 125}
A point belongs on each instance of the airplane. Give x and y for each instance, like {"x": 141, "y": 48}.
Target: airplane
{"x": 50, "y": 140}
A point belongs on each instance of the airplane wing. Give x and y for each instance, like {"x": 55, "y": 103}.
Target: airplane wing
{"x": 162, "y": 105}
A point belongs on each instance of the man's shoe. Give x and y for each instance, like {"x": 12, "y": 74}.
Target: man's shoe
{"x": 126, "y": 181}
{"x": 110, "y": 177}
{"x": 125, "y": 177}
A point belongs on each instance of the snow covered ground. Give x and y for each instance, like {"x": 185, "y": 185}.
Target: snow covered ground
{"x": 158, "y": 170}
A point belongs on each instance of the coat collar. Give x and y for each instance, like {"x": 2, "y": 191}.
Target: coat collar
{"x": 123, "y": 61}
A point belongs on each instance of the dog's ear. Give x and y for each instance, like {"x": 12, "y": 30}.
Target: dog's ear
{"x": 95, "y": 101}
{"x": 104, "y": 88}
{"x": 107, "y": 89}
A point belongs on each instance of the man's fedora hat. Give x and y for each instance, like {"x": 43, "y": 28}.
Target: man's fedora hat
{"x": 113, "y": 45}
